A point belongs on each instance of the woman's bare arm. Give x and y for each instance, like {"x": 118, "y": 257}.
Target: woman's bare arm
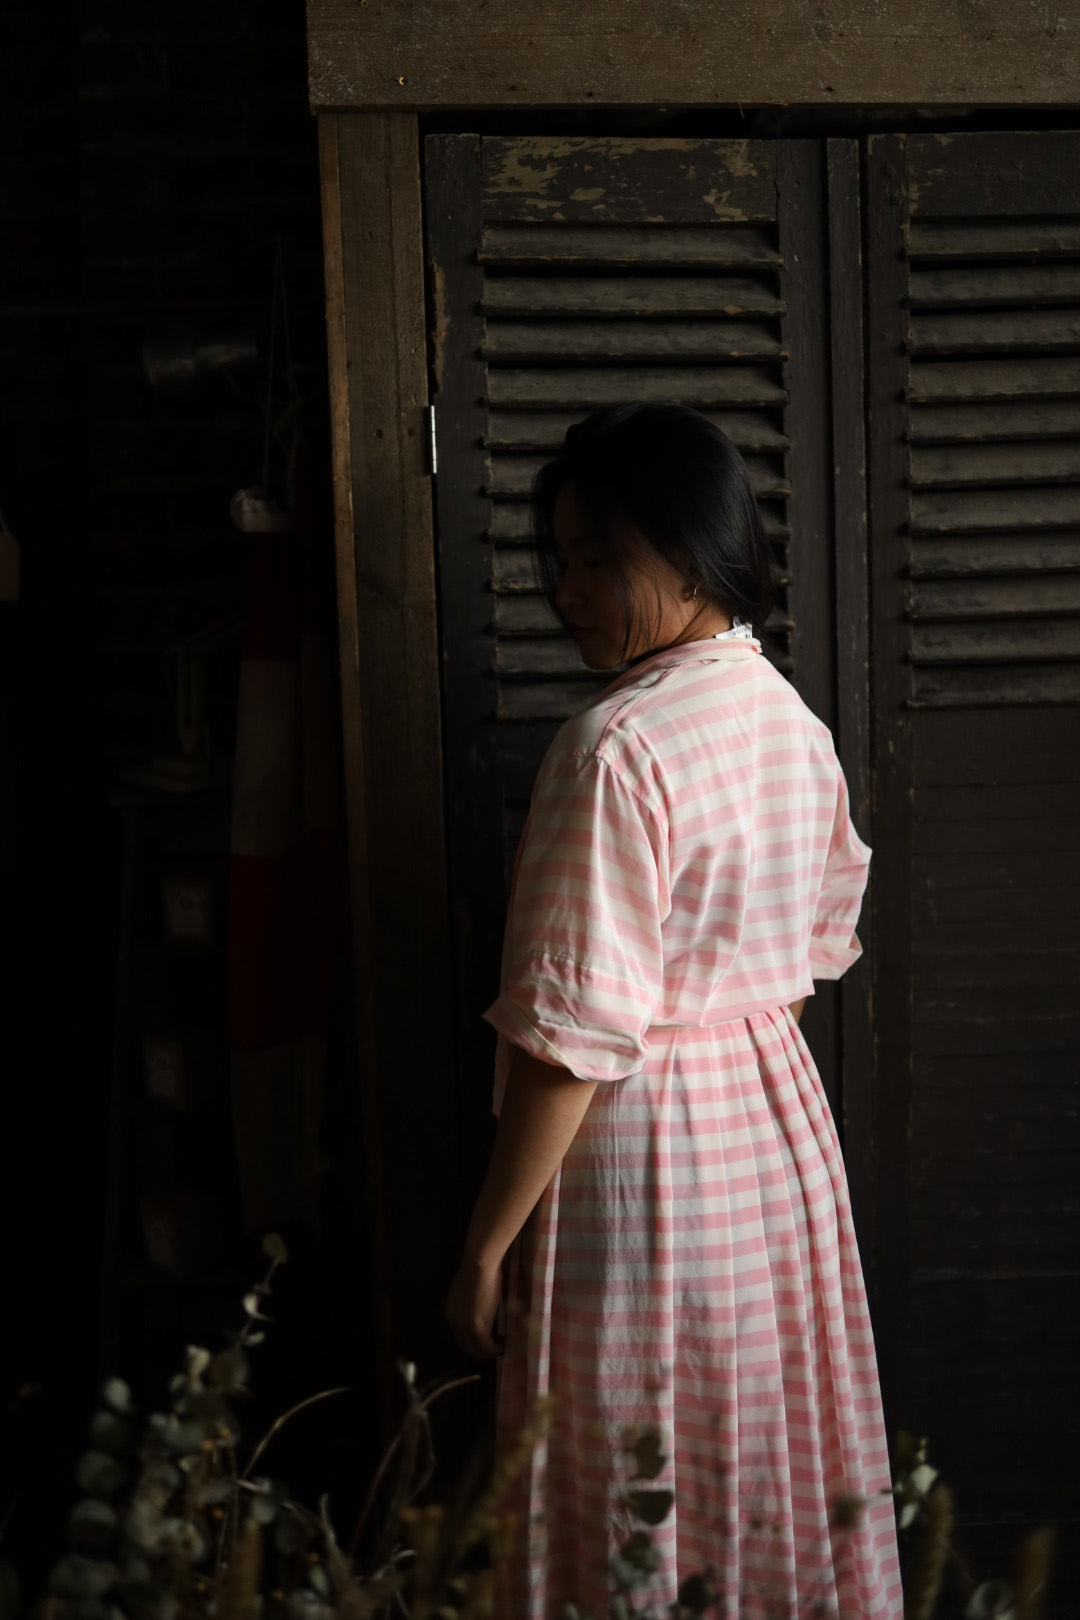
{"x": 796, "y": 1007}
{"x": 541, "y": 1112}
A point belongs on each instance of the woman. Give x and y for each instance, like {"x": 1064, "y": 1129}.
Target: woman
{"x": 666, "y": 1209}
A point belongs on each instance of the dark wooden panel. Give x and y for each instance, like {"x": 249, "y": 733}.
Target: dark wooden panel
{"x": 639, "y": 296}
{"x": 589, "y": 389}
{"x": 945, "y": 381}
{"x": 850, "y": 565}
{"x": 988, "y": 465}
{"x": 994, "y": 286}
{"x": 892, "y": 764}
{"x": 1044, "y": 750}
{"x": 930, "y": 240}
{"x": 1007, "y": 172}
{"x": 362, "y": 936}
{"x": 954, "y": 557}
{"x": 975, "y": 424}
{"x": 559, "y": 54}
{"x": 510, "y": 342}
{"x": 577, "y": 181}
{"x": 1056, "y": 331}
{"x": 524, "y": 430}
{"x": 736, "y": 247}
{"x": 803, "y": 228}
{"x": 393, "y": 733}
{"x": 474, "y": 823}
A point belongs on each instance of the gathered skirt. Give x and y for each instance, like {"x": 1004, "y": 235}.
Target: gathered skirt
{"x": 688, "y": 1295}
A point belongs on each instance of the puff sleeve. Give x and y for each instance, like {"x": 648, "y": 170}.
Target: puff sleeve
{"x": 834, "y": 944}
{"x": 582, "y": 966}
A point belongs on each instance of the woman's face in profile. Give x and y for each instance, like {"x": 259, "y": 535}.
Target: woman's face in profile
{"x": 595, "y": 602}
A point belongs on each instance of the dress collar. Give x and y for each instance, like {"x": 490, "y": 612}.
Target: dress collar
{"x": 727, "y": 646}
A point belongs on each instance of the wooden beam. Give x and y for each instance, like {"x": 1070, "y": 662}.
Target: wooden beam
{"x": 847, "y": 368}
{"x": 497, "y": 53}
{"x": 391, "y": 715}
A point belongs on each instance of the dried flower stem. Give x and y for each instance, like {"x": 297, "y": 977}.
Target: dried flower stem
{"x": 932, "y": 1549}
{"x": 280, "y": 1422}
{"x": 1031, "y": 1571}
{"x": 390, "y": 1453}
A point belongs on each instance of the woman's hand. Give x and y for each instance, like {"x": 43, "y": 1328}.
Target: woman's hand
{"x": 471, "y": 1306}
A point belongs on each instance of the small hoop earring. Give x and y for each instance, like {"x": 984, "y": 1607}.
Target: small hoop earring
{"x": 693, "y": 596}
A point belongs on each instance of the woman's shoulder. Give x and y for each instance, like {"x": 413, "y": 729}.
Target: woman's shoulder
{"x": 633, "y": 726}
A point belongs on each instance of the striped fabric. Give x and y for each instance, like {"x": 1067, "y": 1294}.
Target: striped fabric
{"x": 688, "y": 868}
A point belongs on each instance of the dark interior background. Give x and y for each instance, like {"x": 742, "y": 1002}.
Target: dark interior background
{"x": 151, "y": 159}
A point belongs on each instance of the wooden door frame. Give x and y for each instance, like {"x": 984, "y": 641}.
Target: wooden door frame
{"x": 403, "y": 959}
{"x": 377, "y": 341}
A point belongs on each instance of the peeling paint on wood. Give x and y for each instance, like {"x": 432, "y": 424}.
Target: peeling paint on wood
{"x": 702, "y": 53}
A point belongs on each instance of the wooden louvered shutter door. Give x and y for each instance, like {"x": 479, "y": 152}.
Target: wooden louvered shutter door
{"x": 568, "y": 275}
{"x": 974, "y": 319}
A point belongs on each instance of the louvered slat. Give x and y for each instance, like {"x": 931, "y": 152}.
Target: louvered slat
{"x": 994, "y": 518}
{"x": 545, "y": 430}
{"x": 718, "y": 247}
{"x": 640, "y": 297}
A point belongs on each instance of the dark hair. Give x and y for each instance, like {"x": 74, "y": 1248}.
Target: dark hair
{"x": 679, "y": 479}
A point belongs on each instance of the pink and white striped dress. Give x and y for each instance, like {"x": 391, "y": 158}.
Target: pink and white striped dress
{"x": 689, "y": 868}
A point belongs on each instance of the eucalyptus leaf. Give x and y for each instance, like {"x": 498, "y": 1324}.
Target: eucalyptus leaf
{"x": 647, "y": 1454}
{"x": 76, "y": 1577}
{"x": 640, "y": 1551}
{"x": 92, "y": 1526}
{"x": 117, "y": 1395}
{"x": 99, "y": 1474}
{"x": 228, "y": 1371}
{"x": 318, "y": 1581}
{"x": 274, "y": 1247}
{"x": 289, "y": 1535}
{"x": 110, "y": 1433}
{"x": 652, "y": 1506}
{"x": 696, "y": 1594}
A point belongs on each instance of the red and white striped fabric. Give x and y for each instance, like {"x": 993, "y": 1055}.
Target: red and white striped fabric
{"x": 688, "y": 868}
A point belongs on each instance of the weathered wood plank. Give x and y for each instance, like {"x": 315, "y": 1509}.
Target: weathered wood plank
{"x": 581, "y": 180}
{"x": 991, "y": 465}
{"x": 995, "y": 285}
{"x": 736, "y": 247}
{"x": 998, "y": 750}
{"x": 890, "y": 1083}
{"x": 974, "y": 557}
{"x": 996, "y": 801}
{"x": 944, "y": 381}
{"x": 639, "y": 297}
{"x": 1050, "y": 331}
{"x": 850, "y": 564}
{"x": 930, "y": 239}
{"x": 545, "y": 430}
{"x": 362, "y": 932}
{"x": 995, "y": 172}
{"x": 511, "y": 342}
{"x": 589, "y": 388}
{"x": 976, "y": 423}
{"x": 1021, "y": 510}
{"x": 473, "y": 786}
{"x": 1032, "y": 596}
{"x": 558, "y": 53}
{"x": 935, "y": 687}
{"x": 386, "y": 589}
{"x": 1012, "y": 835}
{"x": 995, "y": 642}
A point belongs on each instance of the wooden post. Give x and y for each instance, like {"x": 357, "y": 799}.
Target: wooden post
{"x": 391, "y": 716}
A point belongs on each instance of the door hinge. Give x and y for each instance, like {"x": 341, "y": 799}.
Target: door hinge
{"x": 433, "y": 452}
